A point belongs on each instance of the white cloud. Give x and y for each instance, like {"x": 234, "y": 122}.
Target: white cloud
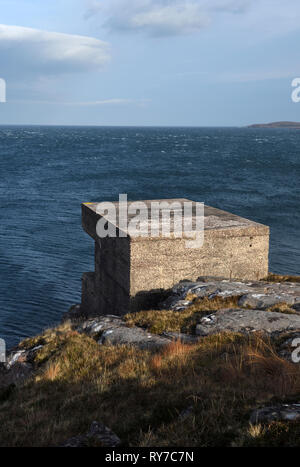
{"x": 163, "y": 17}
{"x": 179, "y": 17}
{"x": 24, "y": 50}
{"x": 159, "y": 20}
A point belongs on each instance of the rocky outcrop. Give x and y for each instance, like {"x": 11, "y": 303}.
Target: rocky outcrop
{"x": 112, "y": 330}
{"x": 262, "y": 306}
{"x": 241, "y": 320}
{"x": 272, "y": 308}
{"x": 251, "y": 294}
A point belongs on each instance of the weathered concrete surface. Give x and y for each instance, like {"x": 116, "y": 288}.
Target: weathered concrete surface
{"x": 130, "y": 272}
{"x": 241, "y": 320}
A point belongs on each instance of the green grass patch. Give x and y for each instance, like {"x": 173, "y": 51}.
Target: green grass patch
{"x": 158, "y": 321}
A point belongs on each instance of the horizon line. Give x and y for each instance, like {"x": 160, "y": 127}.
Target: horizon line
{"x": 119, "y": 126}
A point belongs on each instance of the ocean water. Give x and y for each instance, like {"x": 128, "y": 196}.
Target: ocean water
{"x": 46, "y": 172}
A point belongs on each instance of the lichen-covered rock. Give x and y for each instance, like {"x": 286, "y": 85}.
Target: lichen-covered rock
{"x": 251, "y": 294}
{"x": 21, "y": 356}
{"x": 262, "y": 301}
{"x": 262, "y": 306}
{"x": 112, "y": 330}
{"x": 283, "y": 412}
{"x": 241, "y": 320}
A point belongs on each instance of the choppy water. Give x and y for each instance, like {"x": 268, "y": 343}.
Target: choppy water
{"x": 46, "y": 172}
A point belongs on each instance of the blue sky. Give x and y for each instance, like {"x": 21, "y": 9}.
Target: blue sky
{"x": 149, "y": 62}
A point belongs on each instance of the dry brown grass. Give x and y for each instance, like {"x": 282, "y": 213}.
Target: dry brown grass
{"x": 52, "y": 371}
{"x": 281, "y": 278}
{"x": 140, "y": 395}
{"x": 275, "y": 434}
{"x": 282, "y": 308}
{"x": 175, "y": 351}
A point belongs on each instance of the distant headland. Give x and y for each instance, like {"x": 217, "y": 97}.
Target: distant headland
{"x": 276, "y": 125}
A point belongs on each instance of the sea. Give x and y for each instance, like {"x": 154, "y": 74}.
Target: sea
{"x": 47, "y": 172}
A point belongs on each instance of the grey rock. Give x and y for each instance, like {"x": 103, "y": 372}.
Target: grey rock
{"x": 183, "y": 287}
{"x": 241, "y": 320}
{"x": 99, "y": 435}
{"x": 211, "y": 279}
{"x": 253, "y": 294}
{"x": 113, "y": 330}
{"x": 181, "y": 305}
{"x": 283, "y": 412}
{"x": 256, "y": 295}
{"x": 31, "y": 353}
{"x": 133, "y": 336}
{"x": 15, "y": 357}
{"x": 79, "y": 441}
{"x": 21, "y": 356}
{"x": 202, "y": 291}
{"x": 105, "y": 435}
{"x": 19, "y": 366}
{"x": 94, "y": 326}
{"x": 262, "y": 301}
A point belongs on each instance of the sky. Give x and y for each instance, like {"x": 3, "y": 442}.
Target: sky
{"x": 149, "y": 62}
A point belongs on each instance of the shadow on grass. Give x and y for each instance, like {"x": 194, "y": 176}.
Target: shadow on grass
{"x": 141, "y": 395}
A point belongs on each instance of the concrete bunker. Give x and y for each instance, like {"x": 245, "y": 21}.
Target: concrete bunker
{"x": 130, "y": 272}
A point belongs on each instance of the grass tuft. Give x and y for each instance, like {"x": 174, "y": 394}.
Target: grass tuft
{"x": 140, "y": 396}
{"x": 281, "y": 278}
{"x": 159, "y": 321}
{"x": 282, "y": 308}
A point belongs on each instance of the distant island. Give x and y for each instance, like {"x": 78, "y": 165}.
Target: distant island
{"x": 276, "y": 125}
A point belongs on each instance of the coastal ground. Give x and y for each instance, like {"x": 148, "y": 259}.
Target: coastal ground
{"x": 198, "y": 393}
